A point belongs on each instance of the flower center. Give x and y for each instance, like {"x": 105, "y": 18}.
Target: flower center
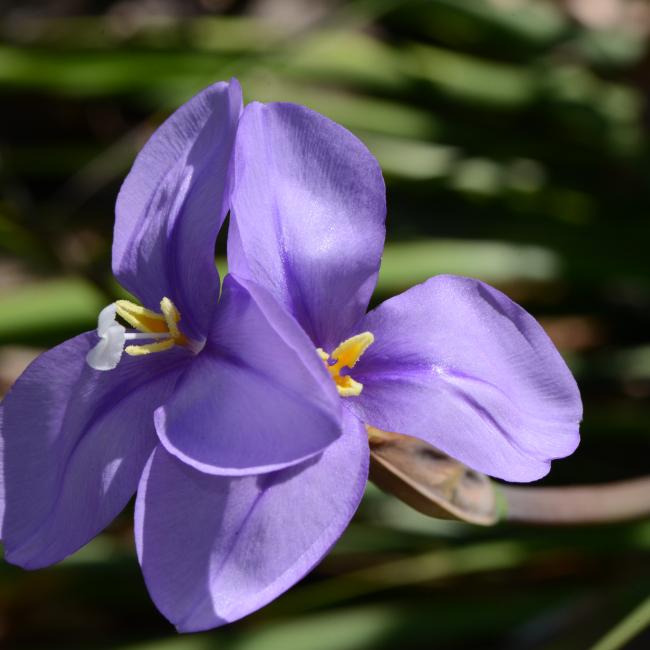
{"x": 346, "y": 355}
{"x": 161, "y": 329}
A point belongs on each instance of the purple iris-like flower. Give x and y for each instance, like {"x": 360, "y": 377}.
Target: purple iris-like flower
{"x": 234, "y": 406}
{"x": 451, "y": 361}
{"x": 223, "y": 392}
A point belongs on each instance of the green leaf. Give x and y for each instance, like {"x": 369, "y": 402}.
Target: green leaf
{"x": 469, "y": 79}
{"x": 631, "y": 626}
{"x": 408, "y": 263}
{"x": 49, "y": 311}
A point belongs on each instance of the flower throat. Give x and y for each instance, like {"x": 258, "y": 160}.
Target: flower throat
{"x": 160, "y": 326}
{"x": 156, "y": 332}
{"x": 346, "y": 355}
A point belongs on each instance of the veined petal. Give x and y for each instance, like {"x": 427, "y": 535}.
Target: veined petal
{"x": 249, "y": 538}
{"x": 457, "y": 363}
{"x": 308, "y": 210}
{"x": 75, "y": 442}
{"x": 172, "y": 204}
{"x": 258, "y": 380}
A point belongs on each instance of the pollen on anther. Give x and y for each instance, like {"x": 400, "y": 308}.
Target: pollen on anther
{"x": 161, "y": 330}
{"x": 346, "y": 355}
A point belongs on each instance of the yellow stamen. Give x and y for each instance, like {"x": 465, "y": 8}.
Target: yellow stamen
{"x": 148, "y": 348}
{"x": 171, "y": 315}
{"x": 141, "y": 318}
{"x": 347, "y": 387}
{"x": 346, "y": 355}
{"x": 163, "y": 326}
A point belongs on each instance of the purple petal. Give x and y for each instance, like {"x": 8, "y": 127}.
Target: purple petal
{"x": 214, "y": 548}
{"x": 308, "y": 209}
{"x": 457, "y": 363}
{"x": 75, "y": 443}
{"x": 258, "y": 380}
{"x": 172, "y": 204}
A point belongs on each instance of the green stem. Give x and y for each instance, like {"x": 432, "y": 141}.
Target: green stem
{"x": 584, "y": 504}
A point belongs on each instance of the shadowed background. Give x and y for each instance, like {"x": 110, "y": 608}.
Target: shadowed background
{"x": 514, "y": 140}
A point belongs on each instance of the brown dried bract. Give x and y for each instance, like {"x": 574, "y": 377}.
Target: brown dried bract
{"x": 430, "y": 481}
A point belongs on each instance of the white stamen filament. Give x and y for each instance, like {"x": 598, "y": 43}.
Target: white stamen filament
{"x": 136, "y": 336}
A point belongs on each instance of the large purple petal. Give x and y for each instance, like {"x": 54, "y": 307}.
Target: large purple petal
{"x": 75, "y": 443}
{"x": 172, "y": 204}
{"x": 308, "y": 209}
{"x": 214, "y": 549}
{"x": 457, "y": 363}
{"x": 258, "y": 380}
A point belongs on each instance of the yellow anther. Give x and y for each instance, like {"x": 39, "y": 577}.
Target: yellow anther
{"x": 322, "y": 354}
{"x": 141, "y": 318}
{"x": 171, "y": 315}
{"x": 346, "y": 355}
{"x": 347, "y": 387}
{"x": 162, "y": 327}
{"x": 157, "y": 332}
{"x": 349, "y": 352}
{"x": 148, "y": 348}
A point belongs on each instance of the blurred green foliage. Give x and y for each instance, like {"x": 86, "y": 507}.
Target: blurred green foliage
{"x": 514, "y": 139}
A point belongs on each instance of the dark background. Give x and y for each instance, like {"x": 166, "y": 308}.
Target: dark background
{"x": 514, "y": 139}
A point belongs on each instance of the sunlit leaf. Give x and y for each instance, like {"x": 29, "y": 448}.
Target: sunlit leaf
{"x": 48, "y": 310}
{"x": 408, "y": 263}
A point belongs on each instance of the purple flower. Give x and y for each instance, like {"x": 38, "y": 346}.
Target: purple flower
{"x": 213, "y": 387}
{"x": 249, "y": 477}
{"x": 451, "y": 361}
